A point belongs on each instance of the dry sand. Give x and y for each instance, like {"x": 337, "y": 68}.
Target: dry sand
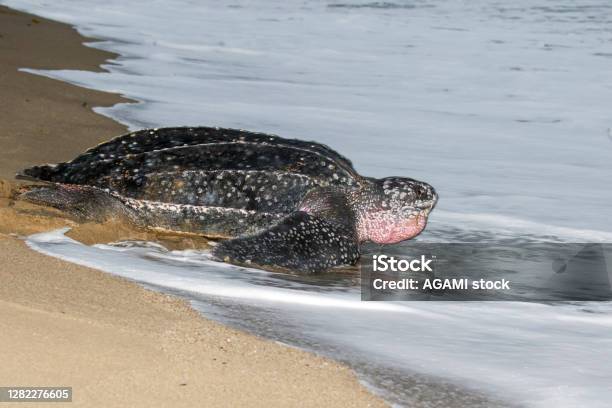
{"x": 114, "y": 342}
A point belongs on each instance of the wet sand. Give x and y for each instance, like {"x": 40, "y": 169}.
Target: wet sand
{"x": 114, "y": 342}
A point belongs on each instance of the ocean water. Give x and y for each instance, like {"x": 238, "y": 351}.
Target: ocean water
{"x": 504, "y": 107}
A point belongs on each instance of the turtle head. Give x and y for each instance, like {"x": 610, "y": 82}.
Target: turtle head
{"x": 393, "y": 209}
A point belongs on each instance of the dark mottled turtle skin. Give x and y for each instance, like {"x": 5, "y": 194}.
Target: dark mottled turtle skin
{"x": 280, "y": 202}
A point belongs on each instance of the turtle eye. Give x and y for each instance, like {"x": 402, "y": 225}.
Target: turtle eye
{"x": 420, "y": 192}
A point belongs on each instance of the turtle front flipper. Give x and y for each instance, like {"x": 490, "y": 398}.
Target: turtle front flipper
{"x": 301, "y": 242}
{"x": 83, "y": 203}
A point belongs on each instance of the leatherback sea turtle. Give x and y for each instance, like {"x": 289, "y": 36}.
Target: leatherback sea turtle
{"x": 281, "y": 202}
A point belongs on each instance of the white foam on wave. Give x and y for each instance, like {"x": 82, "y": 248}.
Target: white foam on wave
{"x": 216, "y": 283}
{"x": 208, "y": 48}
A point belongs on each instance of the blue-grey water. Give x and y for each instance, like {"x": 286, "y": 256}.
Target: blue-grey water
{"x": 505, "y": 107}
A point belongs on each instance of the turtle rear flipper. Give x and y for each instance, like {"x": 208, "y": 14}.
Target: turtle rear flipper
{"x": 300, "y": 242}
{"x": 84, "y": 203}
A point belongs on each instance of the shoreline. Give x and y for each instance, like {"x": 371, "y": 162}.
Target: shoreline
{"x": 113, "y": 341}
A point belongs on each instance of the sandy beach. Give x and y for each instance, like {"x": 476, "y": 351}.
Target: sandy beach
{"x": 114, "y": 342}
